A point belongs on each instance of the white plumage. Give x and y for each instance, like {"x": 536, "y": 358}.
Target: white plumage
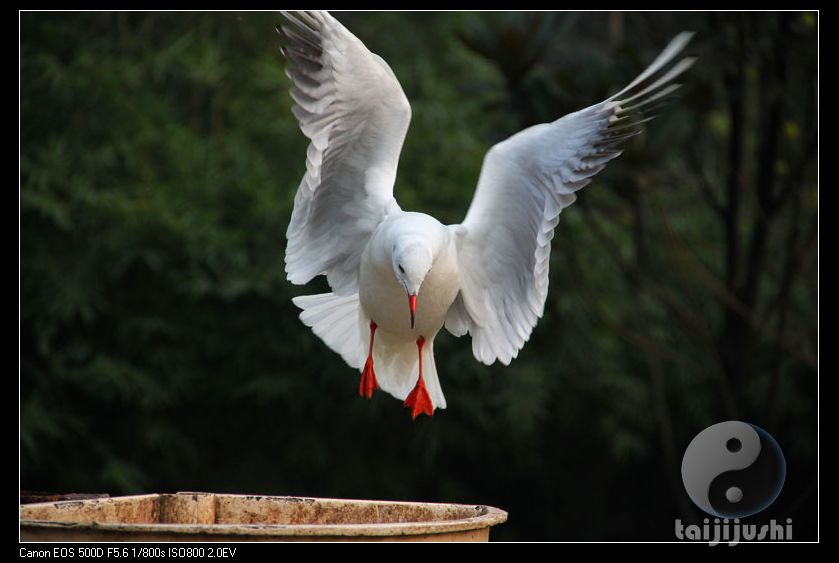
{"x": 488, "y": 276}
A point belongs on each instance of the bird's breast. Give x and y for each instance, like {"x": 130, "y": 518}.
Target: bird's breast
{"x": 385, "y": 301}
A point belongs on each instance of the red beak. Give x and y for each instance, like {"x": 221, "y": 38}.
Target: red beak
{"x": 412, "y": 304}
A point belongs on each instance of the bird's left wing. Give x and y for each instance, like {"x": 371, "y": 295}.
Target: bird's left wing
{"x": 504, "y": 242}
{"x": 350, "y": 105}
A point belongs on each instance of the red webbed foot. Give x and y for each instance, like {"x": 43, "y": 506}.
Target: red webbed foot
{"x": 368, "y": 382}
{"x": 419, "y": 401}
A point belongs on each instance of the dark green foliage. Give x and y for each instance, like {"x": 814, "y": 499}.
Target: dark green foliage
{"x": 160, "y": 350}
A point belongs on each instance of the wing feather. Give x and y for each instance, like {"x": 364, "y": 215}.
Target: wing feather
{"x": 525, "y": 183}
{"x": 353, "y": 110}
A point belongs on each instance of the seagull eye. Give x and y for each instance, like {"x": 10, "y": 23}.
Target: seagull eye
{"x": 401, "y": 269}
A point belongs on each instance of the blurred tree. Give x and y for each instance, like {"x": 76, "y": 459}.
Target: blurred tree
{"x": 160, "y": 350}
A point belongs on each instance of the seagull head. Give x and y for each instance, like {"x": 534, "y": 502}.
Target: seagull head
{"x": 411, "y": 262}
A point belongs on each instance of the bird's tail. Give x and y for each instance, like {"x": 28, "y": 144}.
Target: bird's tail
{"x": 338, "y": 321}
{"x": 396, "y": 363}
{"x": 335, "y": 319}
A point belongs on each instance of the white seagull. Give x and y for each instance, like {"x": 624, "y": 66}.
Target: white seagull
{"x": 487, "y": 276}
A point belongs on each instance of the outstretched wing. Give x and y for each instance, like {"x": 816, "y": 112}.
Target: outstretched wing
{"x": 350, "y": 105}
{"x": 525, "y": 182}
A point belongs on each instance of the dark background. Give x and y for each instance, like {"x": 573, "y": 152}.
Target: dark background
{"x": 160, "y": 350}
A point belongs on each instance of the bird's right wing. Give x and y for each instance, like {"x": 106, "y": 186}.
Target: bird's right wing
{"x": 350, "y": 105}
{"x": 504, "y": 243}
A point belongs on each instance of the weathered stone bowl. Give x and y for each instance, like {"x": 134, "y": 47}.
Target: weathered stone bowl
{"x": 220, "y": 517}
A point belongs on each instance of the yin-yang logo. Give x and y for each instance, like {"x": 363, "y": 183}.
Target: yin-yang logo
{"x": 733, "y": 469}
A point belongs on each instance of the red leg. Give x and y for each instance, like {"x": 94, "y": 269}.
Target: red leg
{"x": 368, "y": 376}
{"x": 419, "y": 401}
